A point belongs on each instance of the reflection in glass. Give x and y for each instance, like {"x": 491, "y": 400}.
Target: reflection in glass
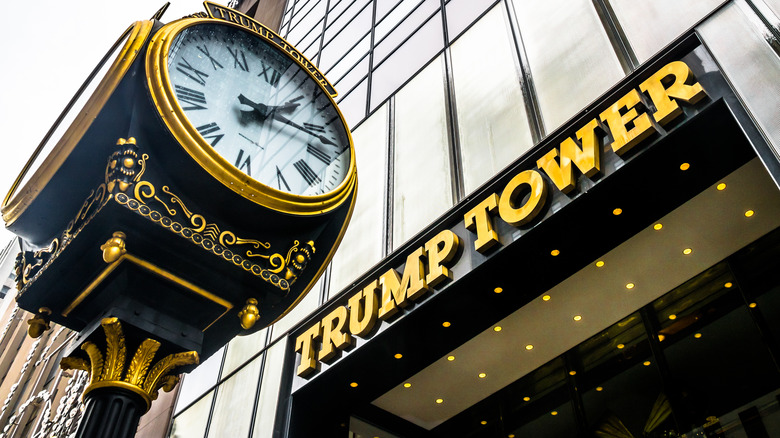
{"x": 570, "y": 56}
{"x": 307, "y": 305}
{"x": 192, "y": 422}
{"x": 241, "y": 348}
{"x": 232, "y": 413}
{"x": 361, "y": 247}
{"x": 492, "y": 120}
{"x": 461, "y": 13}
{"x": 203, "y": 377}
{"x": 269, "y": 392}
{"x": 421, "y": 178}
{"x": 650, "y": 25}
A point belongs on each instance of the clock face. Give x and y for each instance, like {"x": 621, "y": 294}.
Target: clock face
{"x": 259, "y": 109}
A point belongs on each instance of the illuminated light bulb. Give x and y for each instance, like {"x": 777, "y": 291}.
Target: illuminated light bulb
{"x": 398, "y": 355}
{"x": 600, "y": 263}
{"x": 498, "y": 290}
{"x": 617, "y": 211}
{"x": 526, "y": 398}
{"x": 658, "y": 226}
{"x": 687, "y": 251}
{"x": 546, "y": 298}
{"x": 599, "y": 388}
{"x": 554, "y": 253}
{"x": 753, "y": 305}
{"x": 439, "y": 401}
{"x": 749, "y": 213}
{"x": 407, "y": 385}
{"x": 497, "y": 328}
{"x": 728, "y": 285}
{"x": 646, "y": 363}
{"x": 446, "y": 324}
{"x": 353, "y": 384}
{"x": 554, "y": 413}
{"x": 721, "y": 186}
{"x": 450, "y": 358}
{"x": 577, "y": 317}
{"x": 482, "y": 375}
{"x": 672, "y": 316}
{"x": 697, "y": 335}
{"x": 529, "y": 347}
{"x": 620, "y": 346}
{"x": 685, "y": 166}
{"x": 630, "y": 285}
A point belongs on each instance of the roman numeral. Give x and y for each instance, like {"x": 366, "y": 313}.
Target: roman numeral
{"x": 314, "y": 127}
{"x": 318, "y": 154}
{"x": 246, "y": 163}
{"x": 192, "y": 97}
{"x": 280, "y": 179}
{"x": 275, "y": 75}
{"x": 306, "y": 172}
{"x": 191, "y": 72}
{"x": 205, "y": 50}
{"x": 240, "y": 63}
{"x": 209, "y": 132}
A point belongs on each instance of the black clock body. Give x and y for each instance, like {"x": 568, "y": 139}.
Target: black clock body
{"x": 130, "y": 222}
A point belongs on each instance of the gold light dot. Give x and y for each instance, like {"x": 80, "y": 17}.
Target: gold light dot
{"x": 482, "y": 375}
{"x": 450, "y": 358}
{"x": 661, "y": 338}
{"x": 620, "y": 346}
{"x": 398, "y": 355}
{"x": 630, "y": 286}
{"x": 672, "y": 316}
{"x": 446, "y": 324}
{"x": 511, "y": 435}
{"x": 353, "y": 384}
{"x": 526, "y": 398}
{"x": 577, "y": 317}
{"x": 554, "y": 413}
{"x": 697, "y": 335}
{"x": 753, "y": 305}
{"x": 529, "y": 347}
{"x": 554, "y": 253}
{"x": 599, "y": 388}
{"x": 407, "y": 385}
{"x": 572, "y": 373}
{"x": 685, "y": 166}
{"x": 617, "y": 211}
{"x": 728, "y": 285}
{"x": 439, "y": 401}
{"x": 498, "y": 290}
{"x": 545, "y": 297}
{"x": 600, "y": 263}
{"x": 721, "y": 186}
{"x": 749, "y": 213}
{"x": 658, "y": 226}
{"x": 687, "y": 251}
{"x": 497, "y": 328}
{"x": 483, "y": 422}
{"x": 646, "y": 363}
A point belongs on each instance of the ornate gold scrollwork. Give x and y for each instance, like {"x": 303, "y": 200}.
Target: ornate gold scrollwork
{"x": 140, "y": 376}
{"x": 29, "y": 263}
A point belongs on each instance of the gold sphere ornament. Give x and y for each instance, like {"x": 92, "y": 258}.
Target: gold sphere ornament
{"x": 249, "y": 314}
{"x": 114, "y": 247}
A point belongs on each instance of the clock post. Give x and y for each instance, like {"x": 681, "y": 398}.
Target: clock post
{"x": 159, "y": 231}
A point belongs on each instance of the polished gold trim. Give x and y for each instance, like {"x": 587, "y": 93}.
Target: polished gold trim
{"x": 138, "y": 377}
{"x": 15, "y": 203}
{"x": 201, "y": 151}
{"x": 155, "y": 270}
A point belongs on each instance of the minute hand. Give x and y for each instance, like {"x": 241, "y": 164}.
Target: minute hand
{"x": 287, "y": 121}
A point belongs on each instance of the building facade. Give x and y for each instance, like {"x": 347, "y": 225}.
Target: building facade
{"x": 636, "y": 298}
{"x": 566, "y": 225}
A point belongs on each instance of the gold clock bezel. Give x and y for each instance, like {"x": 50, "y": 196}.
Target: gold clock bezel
{"x": 14, "y": 204}
{"x": 200, "y": 150}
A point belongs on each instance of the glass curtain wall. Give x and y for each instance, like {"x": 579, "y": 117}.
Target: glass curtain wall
{"x": 444, "y": 94}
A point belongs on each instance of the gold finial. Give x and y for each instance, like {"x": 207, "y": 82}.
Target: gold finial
{"x": 114, "y": 247}
{"x": 39, "y": 323}
{"x": 249, "y": 314}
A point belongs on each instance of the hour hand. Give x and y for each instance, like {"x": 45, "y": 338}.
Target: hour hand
{"x": 259, "y": 111}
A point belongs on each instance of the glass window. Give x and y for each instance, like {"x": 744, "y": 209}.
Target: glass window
{"x": 651, "y": 25}
{"x": 384, "y": 7}
{"x": 570, "y": 56}
{"x": 406, "y": 61}
{"x": 349, "y": 60}
{"x": 202, "y": 378}
{"x": 192, "y": 422}
{"x": 361, "y": 247}
{"x": 492, "y": 120}
{"x": 461, "y": 13}
{"x": 353, "y": 104}
{"x": 352, "y": 77}
{"x": 339, "y": 41}
{"x": 419, "y": 13}
{"x": 751, "y": 65}
{"x": 233, "y": 407}
{"x": 307, "y": 305}
{"x": 305, "y": 20}
{"x": 421, "y": 177}
{"x": 241, "y": 348}
{"x": 269, "y": 392}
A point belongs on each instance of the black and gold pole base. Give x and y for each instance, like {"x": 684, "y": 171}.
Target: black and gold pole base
{"x": 121, "y": 391}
